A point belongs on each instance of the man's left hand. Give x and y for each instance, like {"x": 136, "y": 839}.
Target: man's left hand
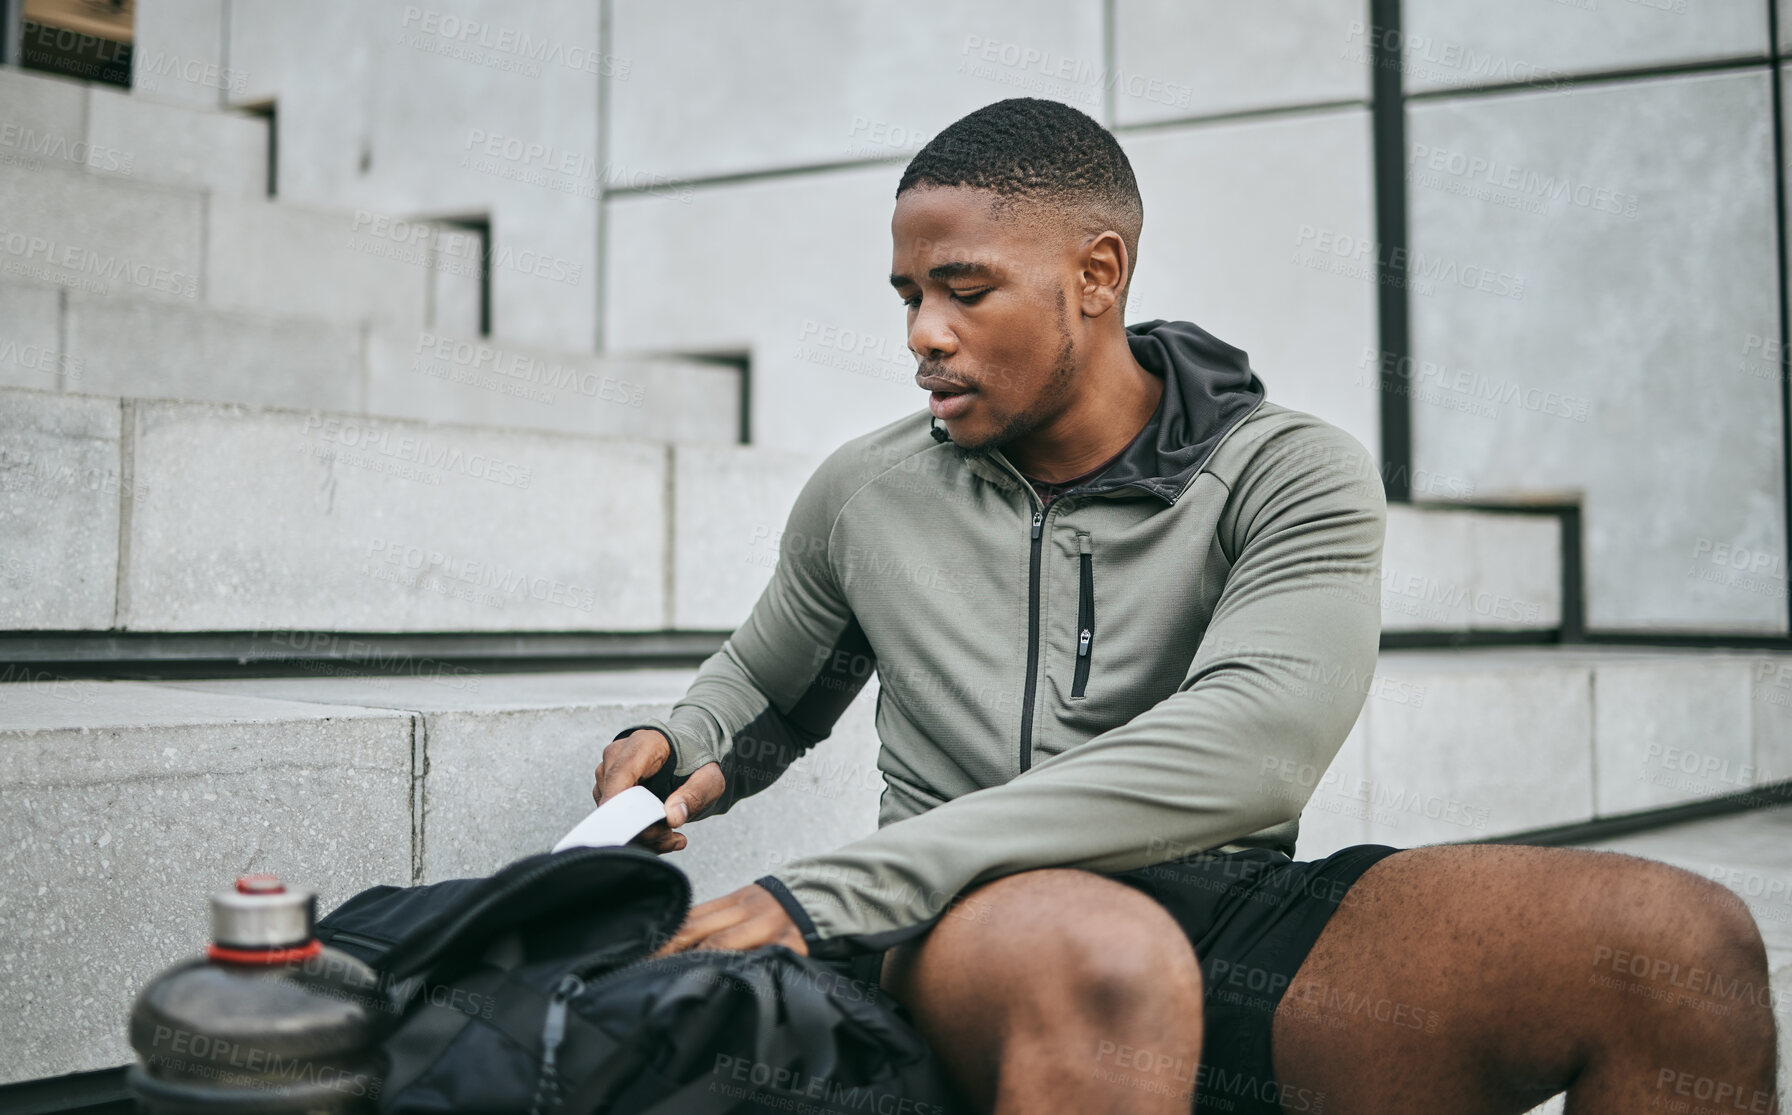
{"x": 744, "y": 919}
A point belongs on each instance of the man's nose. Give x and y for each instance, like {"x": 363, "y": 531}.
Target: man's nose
{"x": 928, "y": 336}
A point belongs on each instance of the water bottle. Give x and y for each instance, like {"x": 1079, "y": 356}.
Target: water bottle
{"x": 268, "y": 1020}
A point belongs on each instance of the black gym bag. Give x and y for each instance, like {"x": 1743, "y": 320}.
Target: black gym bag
{"x": 535, "y": 990}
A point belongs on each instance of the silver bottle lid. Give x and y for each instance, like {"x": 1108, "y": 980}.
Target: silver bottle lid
{"x": 262, "y": 913}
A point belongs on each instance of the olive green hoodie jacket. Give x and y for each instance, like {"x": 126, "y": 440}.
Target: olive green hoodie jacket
{"x": 1117, "y": 680}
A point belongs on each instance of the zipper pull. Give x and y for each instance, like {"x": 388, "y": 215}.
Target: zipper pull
{"x": 1082, "y": 643}
{"x": 1038, "y": 519}
{"x": 553, "y": 1031}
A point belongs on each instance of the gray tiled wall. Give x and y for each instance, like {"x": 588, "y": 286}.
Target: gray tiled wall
{"x": 1174, "y": 59}
{"x": 1547, "y": 44}
{"x": 1593, "y": 269}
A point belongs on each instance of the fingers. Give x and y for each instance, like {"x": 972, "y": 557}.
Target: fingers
{"x": 627, "y": 761}
{"x": 745, "y": 919}
{"x": 704, "y": 786}
{"x": 659, "y": 837}
{"x": 704, "y": 919}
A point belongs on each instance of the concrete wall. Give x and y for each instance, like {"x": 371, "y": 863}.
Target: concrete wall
{"x": 1563, "y": 289}
{"x": 1629, "y": 277}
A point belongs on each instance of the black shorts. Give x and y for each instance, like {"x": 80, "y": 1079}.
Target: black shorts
{"x": 1252, "y": 917}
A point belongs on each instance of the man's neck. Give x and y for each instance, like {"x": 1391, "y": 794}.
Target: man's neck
{"x": 1118, "y": 396}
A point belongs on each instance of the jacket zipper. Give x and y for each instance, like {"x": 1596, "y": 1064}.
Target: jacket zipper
{"x": 1085, "y": 616}
{"x": 1026, "y": 715}
{"x": 1026, "y": 711}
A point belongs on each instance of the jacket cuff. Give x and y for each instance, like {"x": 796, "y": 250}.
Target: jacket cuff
{"x": 687, "y": 754}
{"x": 842, "y": 946}
{"x": 663, "y": 782}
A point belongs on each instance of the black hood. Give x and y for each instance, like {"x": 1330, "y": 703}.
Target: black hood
{"x": 1208, "y": 389}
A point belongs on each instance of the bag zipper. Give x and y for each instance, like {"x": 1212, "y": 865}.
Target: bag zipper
{"x": 1085, "y": 615}
{"x": 560, "y": 861}
{"x": 553, "y": 1033}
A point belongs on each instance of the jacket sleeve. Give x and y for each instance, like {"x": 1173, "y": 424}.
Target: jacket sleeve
{"x": 782, "y": 679}
{"x": 1279, "y": 677}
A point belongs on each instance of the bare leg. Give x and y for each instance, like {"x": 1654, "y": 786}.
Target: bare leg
{"x": 1057, "y": 990}
{"x": 1480, "y": 980}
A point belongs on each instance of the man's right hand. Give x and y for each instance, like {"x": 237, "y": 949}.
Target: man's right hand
{"x": 637, "y": 756}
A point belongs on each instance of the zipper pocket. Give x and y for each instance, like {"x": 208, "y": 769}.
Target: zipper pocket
{"x": 1085, "y": 616}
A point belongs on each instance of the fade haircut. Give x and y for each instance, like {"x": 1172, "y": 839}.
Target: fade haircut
{"x": 1048, "y": 164}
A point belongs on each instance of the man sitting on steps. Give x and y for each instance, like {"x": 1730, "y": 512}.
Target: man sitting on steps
{"x": 1112, "y": 596}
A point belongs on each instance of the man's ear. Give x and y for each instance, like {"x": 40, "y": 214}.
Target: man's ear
{"x": 1106, "y": 268}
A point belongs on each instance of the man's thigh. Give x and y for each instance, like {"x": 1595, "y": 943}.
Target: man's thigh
{"x": 1479, "y": 978}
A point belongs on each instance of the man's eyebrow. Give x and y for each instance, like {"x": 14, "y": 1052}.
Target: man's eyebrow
{"x": 958, "y": 269}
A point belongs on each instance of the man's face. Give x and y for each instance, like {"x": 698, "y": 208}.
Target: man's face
{"x": 988, "y": 315}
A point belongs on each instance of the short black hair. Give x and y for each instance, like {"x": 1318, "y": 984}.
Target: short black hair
{"x": 1044, "y": 155}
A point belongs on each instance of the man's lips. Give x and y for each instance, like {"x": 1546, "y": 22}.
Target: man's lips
{"x": 940, "y": 386}
{"x": 949, "y": 404}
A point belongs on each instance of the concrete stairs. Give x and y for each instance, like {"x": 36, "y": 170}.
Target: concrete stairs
{"x": 141, "y": 256}
{"x": 157, "y": 515}
{"x": 122, "y": 803}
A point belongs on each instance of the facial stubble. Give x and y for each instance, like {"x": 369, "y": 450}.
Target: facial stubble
{"x": 1057, "y": 387}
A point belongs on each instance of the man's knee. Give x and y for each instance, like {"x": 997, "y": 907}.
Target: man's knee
{"x": 1681, "y": 912}
{"x": 1081, "y": 934}
{"x": 1678, "y": 941}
